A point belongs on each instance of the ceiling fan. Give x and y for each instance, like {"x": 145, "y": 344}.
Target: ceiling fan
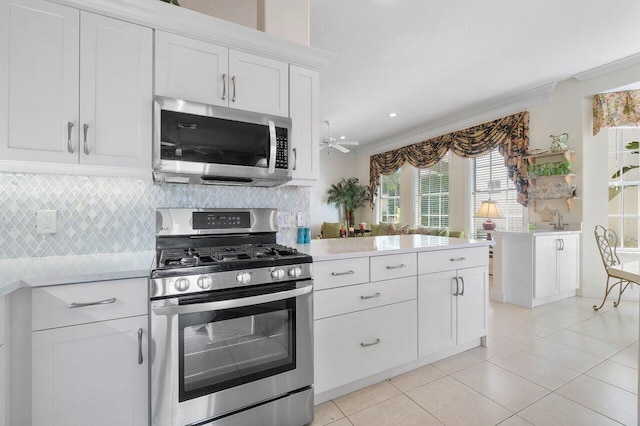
{"x": 330, "y": 142}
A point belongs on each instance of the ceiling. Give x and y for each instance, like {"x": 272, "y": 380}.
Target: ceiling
{"x": 433, "y": 61}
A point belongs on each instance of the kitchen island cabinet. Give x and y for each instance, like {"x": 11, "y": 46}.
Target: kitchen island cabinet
{"x": 535, "y": 268}
{"x": 386, "y": 305}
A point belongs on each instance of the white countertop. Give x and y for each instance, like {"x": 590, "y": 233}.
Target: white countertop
{"x": 344, "y": 248}
{"x": 45, "y": 271}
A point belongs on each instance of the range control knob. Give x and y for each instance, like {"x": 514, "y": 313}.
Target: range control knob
{"x": 277, "y": 274}
{"x": 181, "y": 284}
{"x": 295, "y": 272}
{"x": 243, "y": 277}
{"x": 204, "y": 282}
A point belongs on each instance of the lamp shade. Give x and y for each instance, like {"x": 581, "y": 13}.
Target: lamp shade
{"x": 489, "y": 209}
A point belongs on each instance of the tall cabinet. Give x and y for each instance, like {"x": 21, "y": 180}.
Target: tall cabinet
{"x": 83, "y": 92}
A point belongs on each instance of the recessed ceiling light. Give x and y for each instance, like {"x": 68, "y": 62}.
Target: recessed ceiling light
{"x": 392, "y": 114}
{"x": 343, "y": 137}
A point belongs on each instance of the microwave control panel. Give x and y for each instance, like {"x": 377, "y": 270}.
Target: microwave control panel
{"x": 282, "y": 149}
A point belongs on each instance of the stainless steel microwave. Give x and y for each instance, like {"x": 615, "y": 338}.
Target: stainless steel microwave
{"x": 204, "y": 144}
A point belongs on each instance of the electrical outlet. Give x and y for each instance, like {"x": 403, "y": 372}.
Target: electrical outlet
{"x": 301, "y": 219}
{"x": 47, "y": 221}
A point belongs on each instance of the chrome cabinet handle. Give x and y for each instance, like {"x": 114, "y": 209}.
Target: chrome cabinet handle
{"x": 364, "y": 345}
{"x": 371, "y": 297}
{"x": 561, "y": 244}
{"x": 457, "y": 259}
{"x": 162, "y": 307}
{"x": 462, "y": 280}
{"x": 224, "y": 87}
{"x": 100, "y": 302}
{"x": 402, "y": 265}
{"x": 457, "y": 293}
{"x": 272, "y": 147}
{"x": 233, "y": 80}
{"x": 86, "y": 146}
{"x": 69, "y": 128}
{"x": 295, "y": 157}
{"x": 140, "y": 346}
{"x": 336, "y": 274}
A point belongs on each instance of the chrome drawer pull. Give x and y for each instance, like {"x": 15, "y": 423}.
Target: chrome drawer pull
{"x": 457, "y": 259}
{"x": 101, "y": 302}
{"x": 335, "y": 274}
{"x": 364, "y": 345}
{"x": 140, "y": 346}
{"x": 402, "y": 265}
{"x": 370, "y": 297}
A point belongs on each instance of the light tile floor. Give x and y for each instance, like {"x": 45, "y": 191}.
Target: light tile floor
{"x": 557, "y": 364}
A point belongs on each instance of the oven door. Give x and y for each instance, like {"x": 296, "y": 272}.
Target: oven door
{"x": 229, "y": 350}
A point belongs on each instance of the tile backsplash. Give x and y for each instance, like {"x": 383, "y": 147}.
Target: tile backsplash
{"x": 113, "y": 215}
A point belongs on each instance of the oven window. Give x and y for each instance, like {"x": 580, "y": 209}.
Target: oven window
{"x": 227, "y": 348}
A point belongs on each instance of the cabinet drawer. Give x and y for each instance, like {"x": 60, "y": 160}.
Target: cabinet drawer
{"x": 353, "y": 346}
{"x": 446, "y": 260}
{"x": 338, "y": 273}
{"x": 393, "y": 266}
{"x": 337, "y": 301}
{"x": 51, "y": 305}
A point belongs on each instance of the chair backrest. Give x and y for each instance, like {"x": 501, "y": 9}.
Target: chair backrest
{"x": 607, "y": 241}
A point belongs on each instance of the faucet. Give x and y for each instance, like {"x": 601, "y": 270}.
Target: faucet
{"x": 558, "y": 225}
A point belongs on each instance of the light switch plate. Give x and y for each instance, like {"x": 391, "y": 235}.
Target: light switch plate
{"x": 47, "y": 221}
{"x": 284, "y": 220}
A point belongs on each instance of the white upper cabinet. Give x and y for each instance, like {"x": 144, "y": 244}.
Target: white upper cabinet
{"x": 203, "y": 72}
{"x": 82, "y": 94}
{"x": 304, "y": 91}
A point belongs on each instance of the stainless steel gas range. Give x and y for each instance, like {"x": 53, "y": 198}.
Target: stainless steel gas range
{"x": 231, "y": 321}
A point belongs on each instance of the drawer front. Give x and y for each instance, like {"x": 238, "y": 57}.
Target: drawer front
{"x": 51, "y": 305}
{"x": 393, "y": 266}
{"x": 446, "y": 260}
{"x": 338, "y": 301}
{"x": 339, "y": 273}
{"x": 353, "y": 346}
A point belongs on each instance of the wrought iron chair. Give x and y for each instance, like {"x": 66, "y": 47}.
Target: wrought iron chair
{"x": 607, "y": 241}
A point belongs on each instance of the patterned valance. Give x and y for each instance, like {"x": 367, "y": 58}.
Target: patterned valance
{"x": 510, "y": 134}
{"x": 616, "y": 109}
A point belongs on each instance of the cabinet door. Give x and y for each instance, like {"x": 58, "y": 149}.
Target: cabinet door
{"x": 544, "y": 259}
{"x": 568, "y": 263}
{"x": 191, "y": 70}
{"x": 304, "y": 89}
{"x": 4, "y": 379}
{"x": 436, "y": 312}
{"x": 258, "y": 84}
{"x": 38, "y": 81}
{"x": 90, "y": 374}
{"x": 472, "y": 304}
{"x": 116, "y": 93}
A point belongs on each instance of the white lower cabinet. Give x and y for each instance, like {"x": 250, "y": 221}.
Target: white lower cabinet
{"x": 452, "y": 309}
{"x": 359, "y": 344}
{"x": 91, "y": 374}
{"x": 556, "y": 260}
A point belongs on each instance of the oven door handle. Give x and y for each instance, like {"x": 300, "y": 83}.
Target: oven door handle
{"x": 167, "y": 308}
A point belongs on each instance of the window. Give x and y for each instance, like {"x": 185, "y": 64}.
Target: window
{"x": 624, "y": 177}
{"x": 389, "y": 198}
{"x": 489, "y": 176}
{"x": 432, "y": 197}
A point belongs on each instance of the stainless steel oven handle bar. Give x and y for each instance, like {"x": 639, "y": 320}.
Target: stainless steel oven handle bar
{"x": 172, "y": 309}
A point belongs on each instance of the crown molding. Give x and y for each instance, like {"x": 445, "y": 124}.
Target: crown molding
{"x": 481, "y": 113}
{"x": 178, "y": 20}
{"x": 608, "y": 68}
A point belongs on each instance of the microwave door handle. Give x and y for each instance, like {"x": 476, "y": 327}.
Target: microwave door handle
{"x": 272, "y": 148}
{"x": 172, "y": 309}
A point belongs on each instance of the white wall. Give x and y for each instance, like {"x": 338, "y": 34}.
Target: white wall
{"x": 243, "y": 12}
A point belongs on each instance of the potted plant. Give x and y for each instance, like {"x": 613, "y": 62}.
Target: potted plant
{"x": 349, "y": 195}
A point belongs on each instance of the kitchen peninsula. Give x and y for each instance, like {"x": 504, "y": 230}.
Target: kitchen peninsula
{"x": 389, "y": 304}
